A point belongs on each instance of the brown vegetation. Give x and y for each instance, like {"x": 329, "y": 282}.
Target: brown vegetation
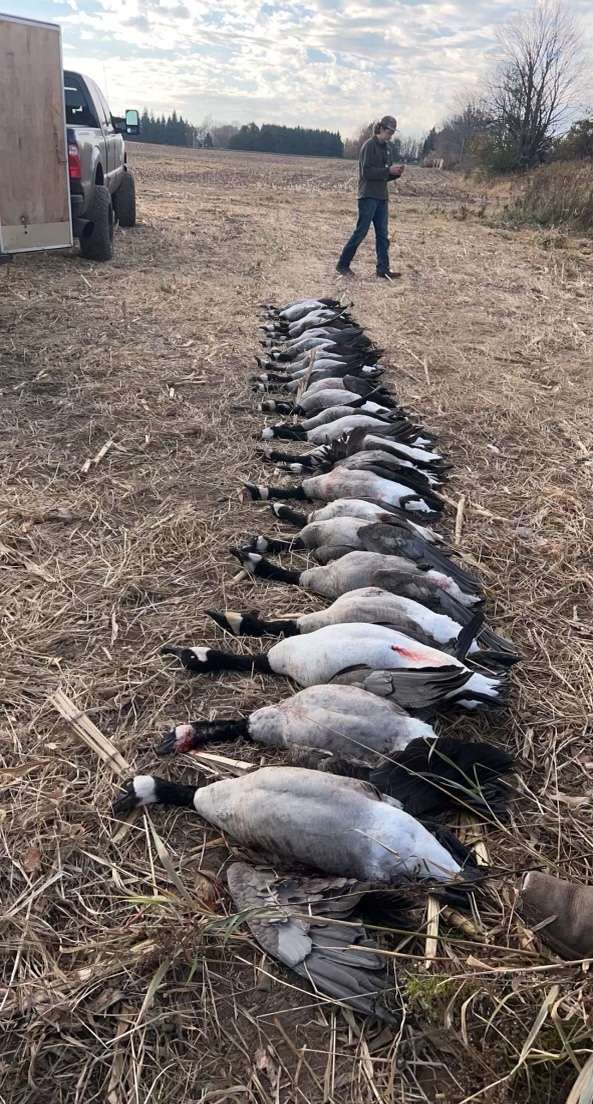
{"x": 123, "y": 980}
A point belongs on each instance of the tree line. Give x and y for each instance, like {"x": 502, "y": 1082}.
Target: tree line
{"x": 173, "y": 130}
{"x": 520, "y": 118}
{"x": 270, "y": 138}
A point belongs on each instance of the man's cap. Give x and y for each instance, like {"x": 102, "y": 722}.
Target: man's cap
{"x": 388, "y": 122}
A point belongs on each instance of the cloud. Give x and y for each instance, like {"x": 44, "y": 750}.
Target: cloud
{"x": 330, "y": 63}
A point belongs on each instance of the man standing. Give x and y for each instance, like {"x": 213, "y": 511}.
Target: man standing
{"x": 375, "y": 170}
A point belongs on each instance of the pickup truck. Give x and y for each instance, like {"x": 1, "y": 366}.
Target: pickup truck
{"x": 101, "y": 185}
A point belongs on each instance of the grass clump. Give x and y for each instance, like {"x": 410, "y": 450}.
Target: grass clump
{"x": 560, "y": 194}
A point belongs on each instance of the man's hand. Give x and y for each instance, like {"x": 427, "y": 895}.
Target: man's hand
{"x": 396, "y": 170}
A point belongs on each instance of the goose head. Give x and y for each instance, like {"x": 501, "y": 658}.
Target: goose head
{"x": 257, "y": 492}
{"x": 228, "y": 621}
{"x": 199, "y": 661}
{"x": 146, "y": 789}
{"x": 178, "y": 739}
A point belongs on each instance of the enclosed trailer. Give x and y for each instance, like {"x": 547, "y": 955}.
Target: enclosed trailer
{"x": 34, "y": 183}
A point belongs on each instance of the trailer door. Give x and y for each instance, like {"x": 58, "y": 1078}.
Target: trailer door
{"x": 34, "y": 183}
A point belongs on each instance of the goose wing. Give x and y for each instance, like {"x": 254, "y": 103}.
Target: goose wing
{"x": 292, "y": 921}
{"x": 420, "y": 691}
{"x": 390, "y": 540}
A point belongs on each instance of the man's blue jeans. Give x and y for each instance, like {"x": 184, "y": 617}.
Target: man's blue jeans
{"x": 374, "y": 211}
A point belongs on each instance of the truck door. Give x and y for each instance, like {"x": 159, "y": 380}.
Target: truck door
{"x": 34, "y": 184}
{"x": 113, "y": 141}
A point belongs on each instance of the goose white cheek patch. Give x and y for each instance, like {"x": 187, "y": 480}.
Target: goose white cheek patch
{"x": 144, "y": 789}
{"x": 201, "y": 654}
{"x": 183, "y": 736}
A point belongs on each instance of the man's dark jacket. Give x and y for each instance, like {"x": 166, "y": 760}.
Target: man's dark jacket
{"x": 373, "y": 169}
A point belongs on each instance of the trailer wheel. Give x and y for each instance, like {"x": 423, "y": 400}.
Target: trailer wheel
{"x": 125, "y": 201}
{"x": 98, "y": 244}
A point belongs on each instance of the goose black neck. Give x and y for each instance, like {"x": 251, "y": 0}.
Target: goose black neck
{"x": 216, "y": 731}
{"x": 267, "y": 570}
{"x": 285, "y": 626}
{"x": 287, "y": 493}
{"x": 174, "y": 793}
{"x": 277, "y": 544}
{"x": 285, "y": 432}
{"x": 286, "y": 514}
{"x": 227, "y": 661}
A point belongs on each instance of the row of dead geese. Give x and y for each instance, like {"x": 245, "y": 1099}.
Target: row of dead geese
{"x": 404, "y": 636}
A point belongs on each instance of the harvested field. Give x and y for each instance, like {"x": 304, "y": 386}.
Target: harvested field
{"x": 127, "y": 427}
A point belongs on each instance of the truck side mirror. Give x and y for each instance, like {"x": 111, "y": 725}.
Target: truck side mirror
{"x": 132, "y": 122}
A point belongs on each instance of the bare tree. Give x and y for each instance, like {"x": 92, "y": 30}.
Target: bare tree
{"x": 537, "y": 81}
{"x": 454, "y": 143}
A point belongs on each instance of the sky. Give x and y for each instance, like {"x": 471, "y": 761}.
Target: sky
{"x": 333, "y": 64}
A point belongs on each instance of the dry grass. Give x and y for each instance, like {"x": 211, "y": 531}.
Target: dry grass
{"x": 559, "y": 195}
{"x": 120, "y": 983}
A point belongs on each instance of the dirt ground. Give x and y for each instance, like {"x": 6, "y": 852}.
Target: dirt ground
{"x": 122, "y": 980}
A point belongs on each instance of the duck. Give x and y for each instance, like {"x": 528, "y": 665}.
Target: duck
{"x": 329, "y": 540}
{"x": 374, "y": 606}
{"x": 362, "y": 569}
{"x": 340, "y": 483}
{"x": 422, "y": 677}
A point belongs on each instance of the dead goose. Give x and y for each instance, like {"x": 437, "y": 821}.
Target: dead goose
{"x": 349, "y": 726}
{"x": 311, "y": 404}
{"x": 293, "y": 311}
{"x": 363, "y": 569}
{"x": 347, "y": 420}
{"x": 329, "y": 540}
{"x": 380, "y": 607}
{"x": 339, "y": 827}
{"x": 365, "y": 378}
{"x": 423, "y": 678}
{"x": 325, "y": 457}
{"x": 355, "y": 507}
{"x": 353, "y": 484}
{"x": 292, "y": 920}
{"x": 342, "y": 721}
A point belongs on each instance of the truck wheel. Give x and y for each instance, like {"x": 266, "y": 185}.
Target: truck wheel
{"x": 98, "y": 244}
{"x": 125, "y": 201}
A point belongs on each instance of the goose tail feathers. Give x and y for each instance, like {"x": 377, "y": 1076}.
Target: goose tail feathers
{"x": 430, "y": 777}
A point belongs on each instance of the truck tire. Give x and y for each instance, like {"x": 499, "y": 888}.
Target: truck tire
{"x": 98, "y": 244}
{"x": 125, "y": 201}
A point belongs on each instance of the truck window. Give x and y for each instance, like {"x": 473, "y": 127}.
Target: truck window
{"x": 78, "y": 110}
{"x": 105, "y": 109}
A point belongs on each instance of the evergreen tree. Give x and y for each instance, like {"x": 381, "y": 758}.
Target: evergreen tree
{"x": 271, "y": 138}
